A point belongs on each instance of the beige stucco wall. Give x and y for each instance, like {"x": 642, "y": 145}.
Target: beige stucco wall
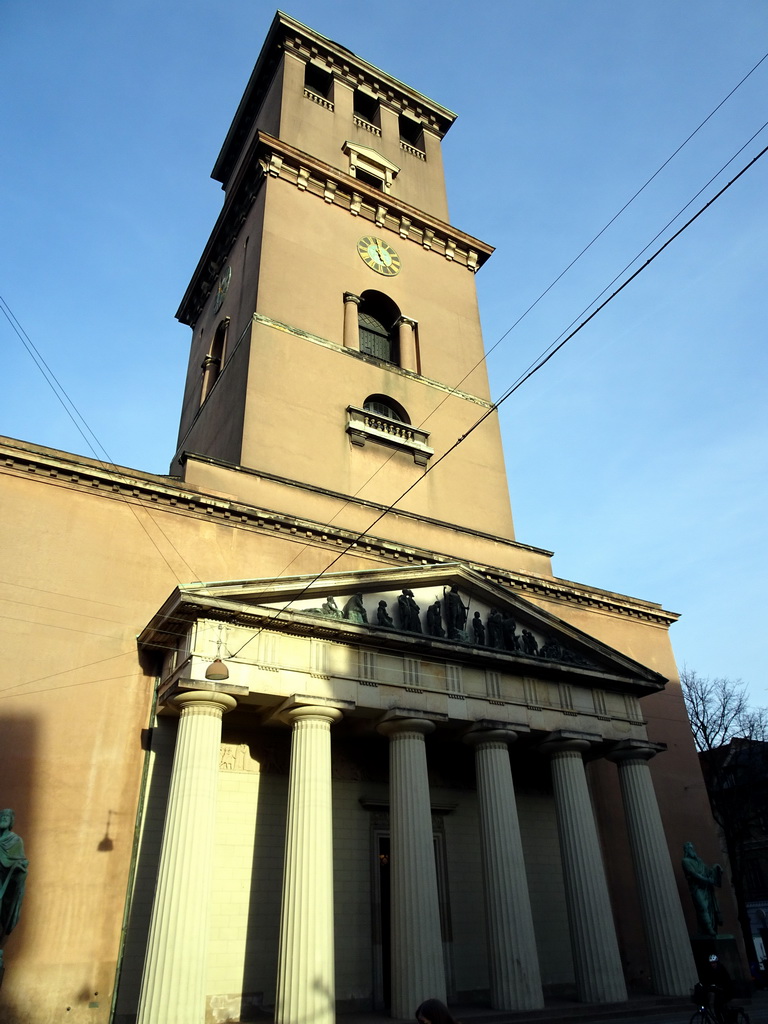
{"x": 323, "y": 132}
{"x": 89, "y": 557}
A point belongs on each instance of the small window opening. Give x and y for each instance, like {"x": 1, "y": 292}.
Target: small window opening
{"x": 383, "y": 405}
{"x": 377, "y": 316}
{"x": 214, "y": 361}
{"x": 369, "y": 179}
{"x": 318, "y": 81}
{"x": 365, "y": 106}
{"x": 411, "y": 132}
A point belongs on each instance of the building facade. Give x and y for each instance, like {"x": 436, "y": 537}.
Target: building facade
{"x": 367, "y": 748}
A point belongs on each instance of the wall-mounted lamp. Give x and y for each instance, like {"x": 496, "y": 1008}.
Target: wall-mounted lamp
{"x": 217, "y": 671}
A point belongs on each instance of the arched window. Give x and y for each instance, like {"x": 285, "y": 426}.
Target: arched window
{"x": 377, "y": 317}
{"x": 214, "y": 361}
{"x": 383, "y": 405}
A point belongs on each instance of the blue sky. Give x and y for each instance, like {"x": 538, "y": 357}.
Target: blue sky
{"x": 639, "y": 453}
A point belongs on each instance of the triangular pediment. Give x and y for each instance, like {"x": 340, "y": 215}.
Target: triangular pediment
{"x": 372, "y": 156}
{"x": 445, "y": 610}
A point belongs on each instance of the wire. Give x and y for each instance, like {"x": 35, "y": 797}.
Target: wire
{"x": 75, "y": 415}
{"x": 549, "y": 288}
{"x": 601, "y": 232}
{"x": 72, "y": 411}
{"x": 649, "y": 244}
{"x": 515, "y": 387}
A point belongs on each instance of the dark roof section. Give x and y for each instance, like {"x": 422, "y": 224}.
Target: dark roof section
{"x": 282, "y": 28}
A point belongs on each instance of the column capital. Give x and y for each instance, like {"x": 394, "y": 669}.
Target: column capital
{"x": 313, "y": 711}
{"x": 635, "y": 750}
{"x": 406, "y": 321}
{"x": 351, "y": 297}
{"x": 398, "y": 726}
{"x": 204, "y": 702}
{"x": 564, "y": 741}
{"x": 479, "y": 736}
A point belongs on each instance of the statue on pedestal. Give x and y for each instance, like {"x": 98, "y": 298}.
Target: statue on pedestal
{"x": 13, "y": 876}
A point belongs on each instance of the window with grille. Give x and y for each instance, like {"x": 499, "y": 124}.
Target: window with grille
{"x": 377, "y": 316}
{"x": 380, "y": 405}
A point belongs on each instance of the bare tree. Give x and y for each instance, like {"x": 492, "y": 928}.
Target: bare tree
{"x": 719, "y": 710}
{"x": 732, "y": 739}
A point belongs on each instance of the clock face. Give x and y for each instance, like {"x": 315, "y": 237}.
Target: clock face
{"x": 226, "y": 277}
{"x": 379, "y": 256}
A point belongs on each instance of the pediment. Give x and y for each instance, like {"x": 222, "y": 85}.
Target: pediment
{"x": 368, "y": 155}
{"x": 436, "y": 611}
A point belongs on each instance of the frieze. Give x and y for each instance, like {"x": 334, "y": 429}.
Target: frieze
{"x": 446, "y": 618}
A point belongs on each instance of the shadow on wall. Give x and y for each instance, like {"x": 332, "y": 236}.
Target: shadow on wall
{"x": 18, "y": 757}
{"x": 161, "y": 740}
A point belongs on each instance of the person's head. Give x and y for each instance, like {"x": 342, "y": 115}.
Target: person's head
{"x": 7, "y": 818}
{"x": 432, "y": 1011}
{"x": 713, "y": 958}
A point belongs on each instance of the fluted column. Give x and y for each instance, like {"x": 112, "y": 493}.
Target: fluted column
{"x": 407, "y": 343}
{"x": 418, "y": 971}
{"x": 512, "y": 956}
{"x": 305, "y": 974}
{"x": 173, "y": 984}
{"x": 599, "y": 975}
{"x": 673, "y": 971}
{"x": 351, "y": 324}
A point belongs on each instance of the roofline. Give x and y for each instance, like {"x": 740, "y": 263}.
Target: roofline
{"x": 263, "y": 72}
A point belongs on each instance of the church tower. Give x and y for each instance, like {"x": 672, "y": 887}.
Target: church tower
{"x": 360, "y": 754}
{"x": 337, "y": 348}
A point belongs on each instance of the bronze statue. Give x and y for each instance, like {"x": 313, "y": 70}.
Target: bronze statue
{"x": 511, "y": 639}
{"x": 434, "y": 622}
{"x": 330, "y": 608}
{"x": 455, "y": 613}
{"x": 13, "y": 876}
{"x": 702, "y": 882}
{"x": 495, "y": 629}
{"x": 382, "y": 615}
{"x": 354, "y": 611}
{"x": 530, "y": 646}
{"x": 479, "y": 630}
{"x": 409, "y": 612}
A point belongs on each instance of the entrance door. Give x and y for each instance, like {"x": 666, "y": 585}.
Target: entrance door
{"x": 382, "y": 934}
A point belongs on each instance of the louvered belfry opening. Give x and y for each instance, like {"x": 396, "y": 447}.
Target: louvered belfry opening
{"x": 377, "y": 316}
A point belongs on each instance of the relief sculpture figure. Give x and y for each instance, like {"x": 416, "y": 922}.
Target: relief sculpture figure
{"x": 13, "y": 876}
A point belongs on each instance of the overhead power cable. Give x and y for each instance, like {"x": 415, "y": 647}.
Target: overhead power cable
{"x": 549, "y": 354}
{"x": 74, "y": 414}
{"x": 532, "y": 306}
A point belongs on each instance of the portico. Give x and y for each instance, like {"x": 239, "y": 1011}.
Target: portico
{"x": 416, "y": 732}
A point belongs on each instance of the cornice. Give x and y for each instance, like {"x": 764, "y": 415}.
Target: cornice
{"x": 352, "y": 353}
{"x": 267, "y": 158}
{"x": 58, "y": 468}
{"x": 291, "y": 36}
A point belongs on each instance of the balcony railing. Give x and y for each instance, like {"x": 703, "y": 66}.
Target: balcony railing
{"x": 365, "y": 426}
